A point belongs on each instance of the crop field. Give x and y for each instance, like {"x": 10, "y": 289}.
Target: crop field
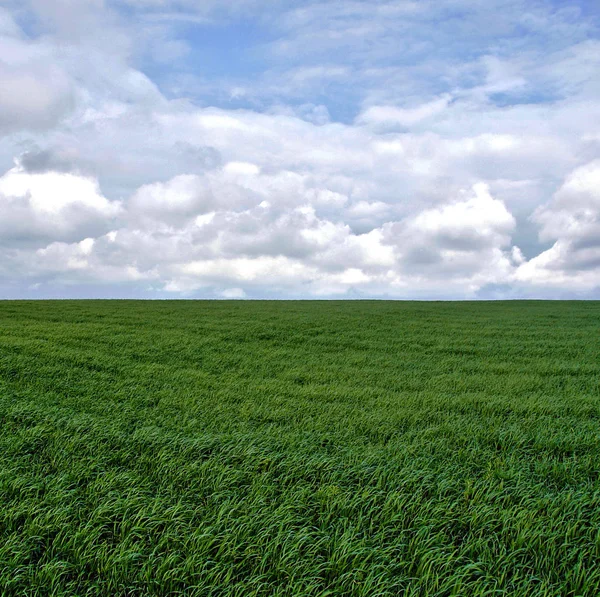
{"x": 361, "y": 448}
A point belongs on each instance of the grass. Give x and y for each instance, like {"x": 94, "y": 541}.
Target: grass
{"x": 299, "y": 449}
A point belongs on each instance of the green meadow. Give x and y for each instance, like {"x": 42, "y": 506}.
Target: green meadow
{"x": 359, "y": 448}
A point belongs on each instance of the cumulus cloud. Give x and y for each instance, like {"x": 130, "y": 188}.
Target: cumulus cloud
{"x": 35, "y": 92}
{"x": 465, "y": 243}
{"x": 37, "y": 207}
{"x": 572, "y": 220}
{"x": 356, "y": 149}
{"x": 33, "y": 97}
{"x": 263, "y": 248}
{"x": 181, "y": 197}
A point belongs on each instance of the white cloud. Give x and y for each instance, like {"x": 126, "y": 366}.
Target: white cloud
{"x": 392, "y": 117}
{"x": 35, "y": 92}
{"x": 233, "y": 293}
{"x": 572, "y": 220}
{"x": 464, "y": 242}
{"x": 336, "y": 165}
{"x": 51, "y": 205}
{"x": 262, "y": 249}
{"x": 183, "y": 196}
{"x": 574, "y": 211}
{"x": 51, "y": 193}
{"x": 35, "y": 97}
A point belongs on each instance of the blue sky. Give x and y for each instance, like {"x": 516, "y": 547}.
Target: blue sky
{"x": 389, "y": 149}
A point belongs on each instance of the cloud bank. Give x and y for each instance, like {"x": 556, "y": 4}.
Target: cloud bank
{"x": 164, "y": 148}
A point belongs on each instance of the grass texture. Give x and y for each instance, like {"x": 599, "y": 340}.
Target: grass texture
{"x": 251, "y": 449}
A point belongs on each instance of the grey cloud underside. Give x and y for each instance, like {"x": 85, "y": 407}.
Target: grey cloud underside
{"x": 112, "y": 185}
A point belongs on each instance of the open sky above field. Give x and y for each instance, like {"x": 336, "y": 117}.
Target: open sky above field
{"x": 254, "y": 148}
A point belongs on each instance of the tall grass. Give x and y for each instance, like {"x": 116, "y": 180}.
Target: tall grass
{"x": 299, "y": 449}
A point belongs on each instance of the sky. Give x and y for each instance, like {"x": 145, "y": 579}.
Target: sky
{"x": 430, "y": 149}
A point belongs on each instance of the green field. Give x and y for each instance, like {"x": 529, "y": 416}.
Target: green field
{"x": 299, "y": 448}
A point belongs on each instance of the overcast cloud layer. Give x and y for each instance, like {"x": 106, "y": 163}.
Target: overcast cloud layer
{"x": 281, "y": 149}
